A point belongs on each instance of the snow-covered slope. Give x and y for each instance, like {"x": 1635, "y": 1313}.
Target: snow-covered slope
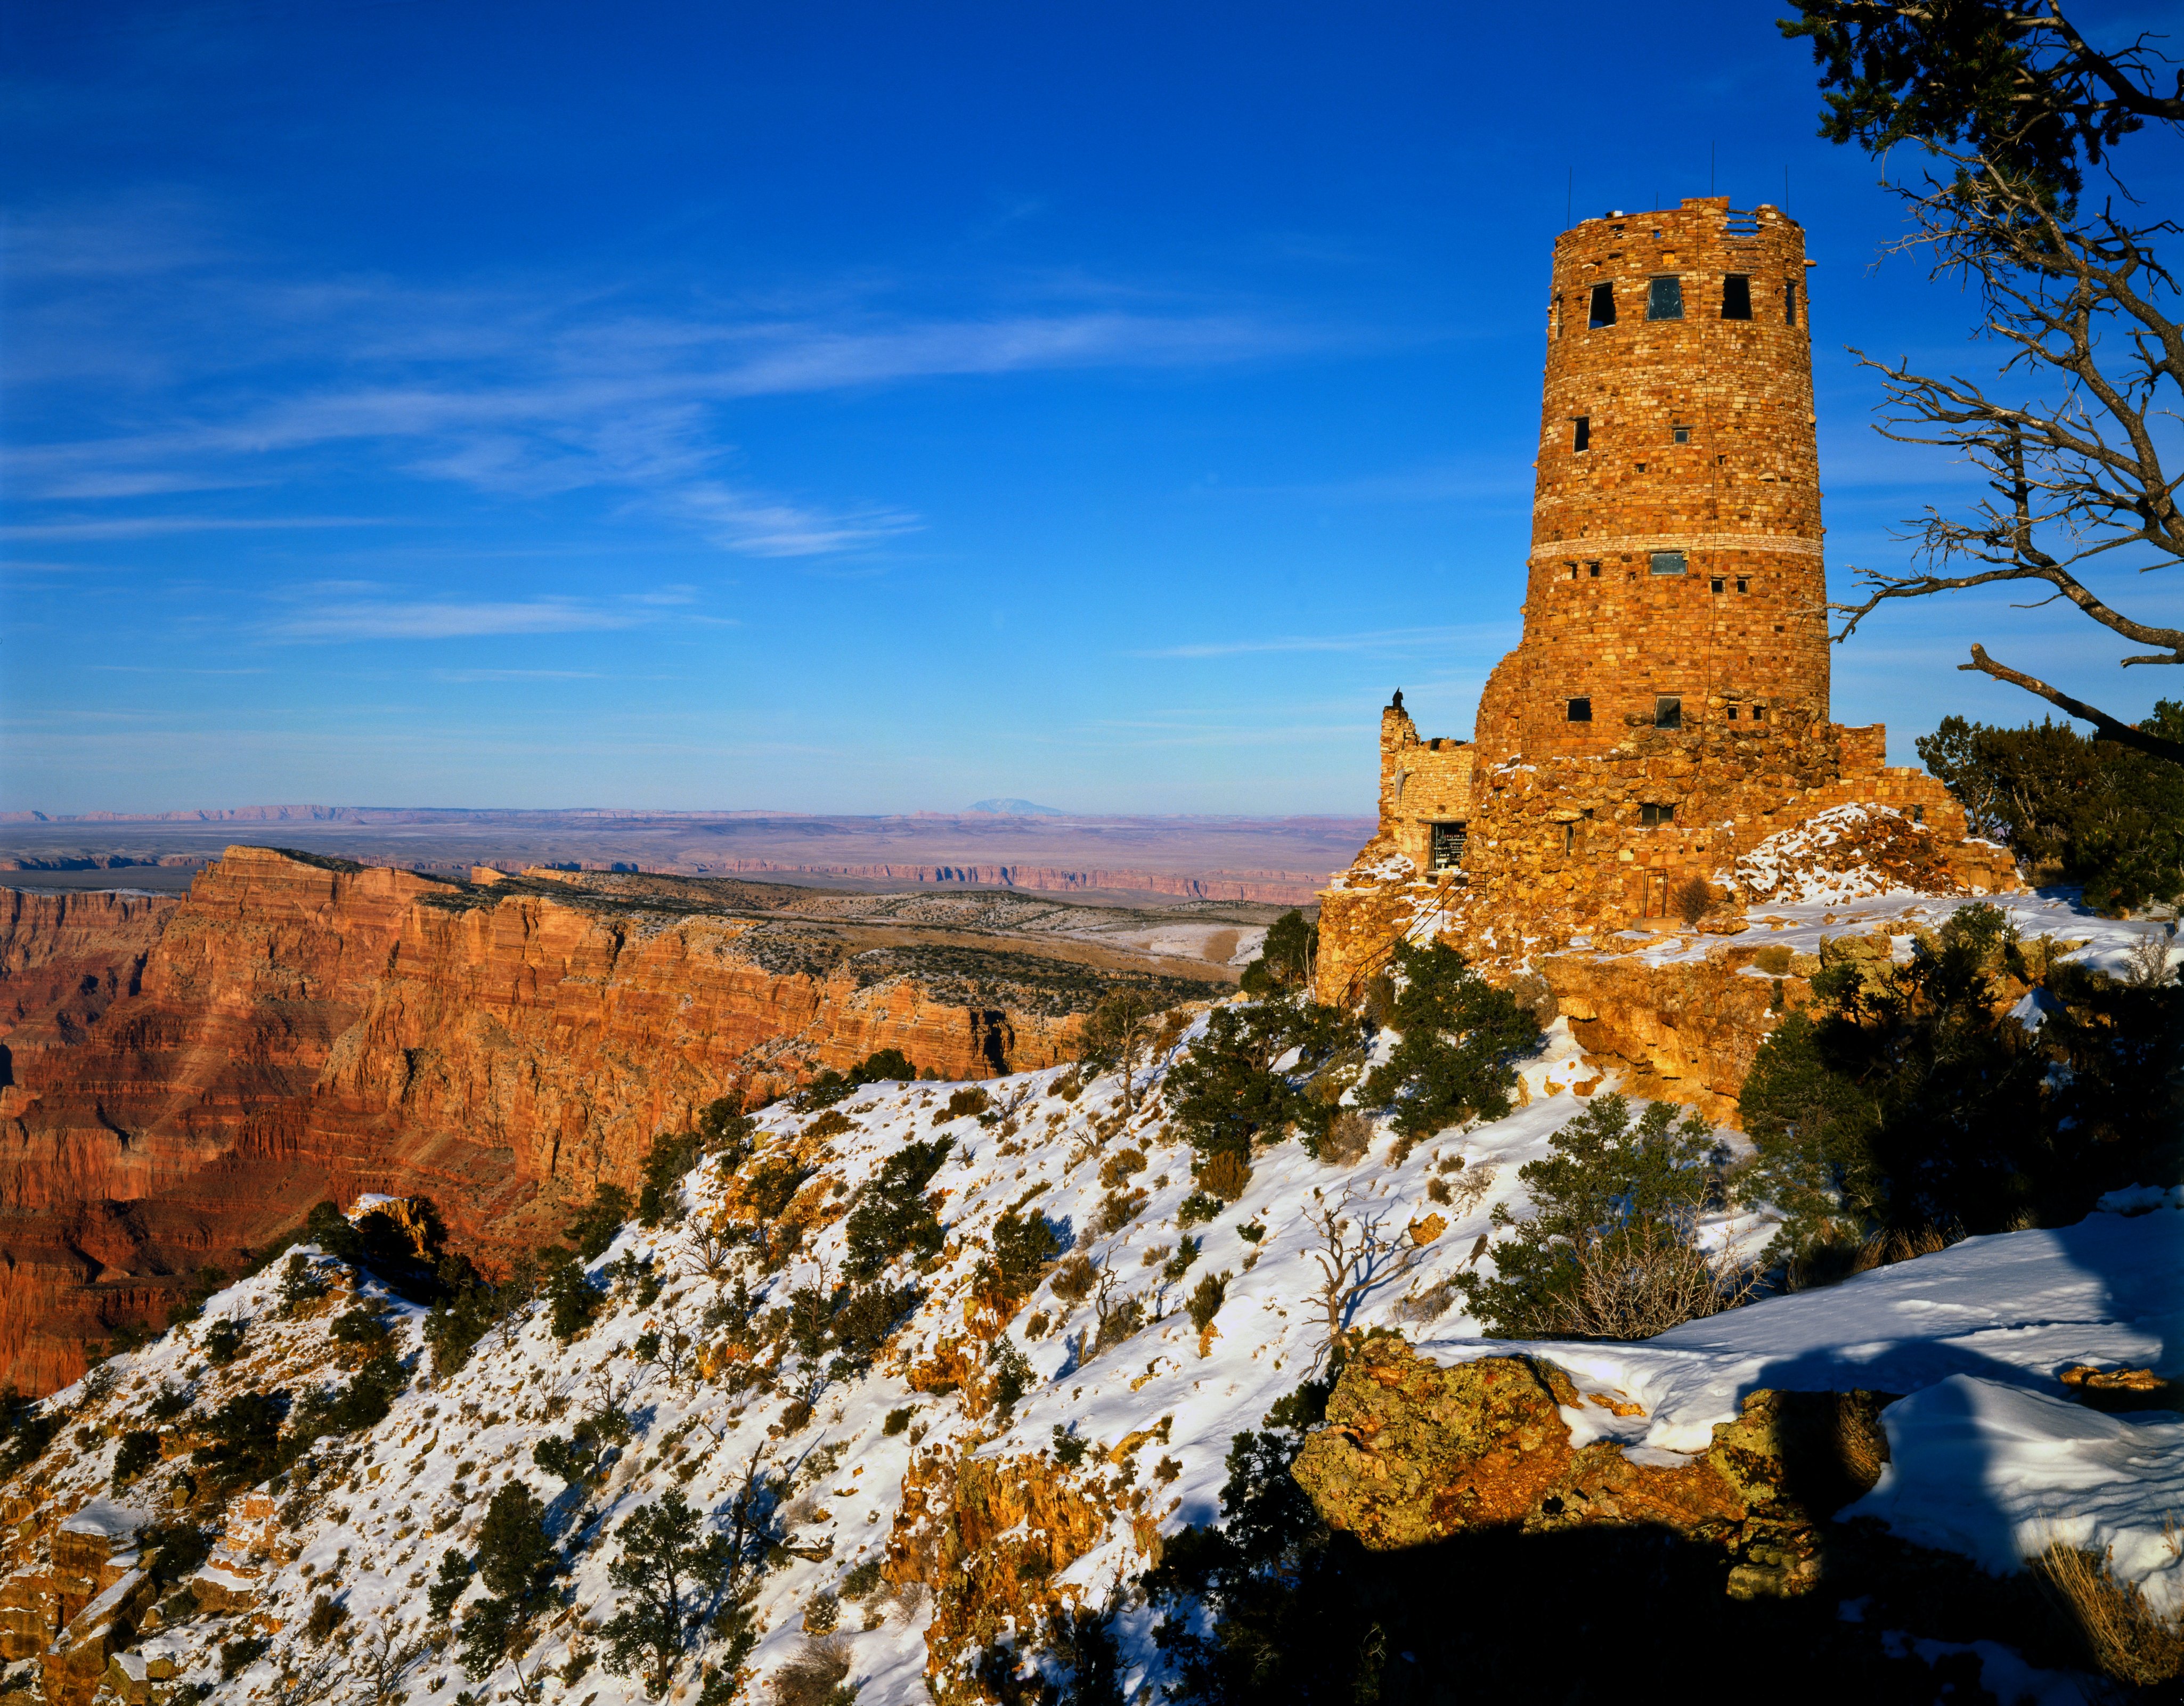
{"x": 1990, "y": 1457}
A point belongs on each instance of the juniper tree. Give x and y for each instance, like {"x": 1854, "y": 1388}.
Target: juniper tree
{"x": 670, "y": 1570}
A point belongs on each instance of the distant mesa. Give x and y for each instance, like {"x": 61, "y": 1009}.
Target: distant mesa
{"x": 1018, "y": 808}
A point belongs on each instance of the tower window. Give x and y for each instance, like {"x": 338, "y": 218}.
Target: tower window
{"x": 1448, "y": 840}
{"x": 1592, "y": 572}
{"x": 1580, "y": 710}
{"x": 1680, "y": 435}
{"x": 1714, "y": 585}
{"x": 1668, "y": 711}
{"x": 1603, "y": 305}
{"x": 1790, "y": 303}
{"x": 1652, "y": 817}
{"x": 1743, "y": 585}
{"x": 1667, "y": 562}
{"x": 1759, "y": 713}
{"x": 1581, "y": 432}
{"x": 1736, "y": 297}
{"x": 1732, "y": 711}
{"x": 1569, "y": 837}
{"x": 1573, "y": 569}
{"x": 1664, "y": 297}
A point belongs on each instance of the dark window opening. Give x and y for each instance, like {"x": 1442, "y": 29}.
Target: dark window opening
{"x": 1569, "y": 837}
{"x": 1732, "y": 713}
{"x": 1736, "y": 297}
{"x": 1573, "y": 569}
{"x": 1715, "y": 583}
{"x": 1448, "y": 840}
{"x": 1917, "y": 814}
{"x": 1664, "y": 298}
{"x": 1581, "y": 437}
{"x": 1652, "y": 817}
{"x": 1790, "y": 303}
{"x": 1743, "y": 585}
{"x": 1642, "y": 467}
{"x": 1667, "y": 562}
{"x": 1668, "y": 711}
{"x": 1603, "y": 305}
{"x": 1680, "y": 435}
{"x": 1580, "y": 710}
{"x": 1592, "y": 572}
{"x": 1759, "y": 713}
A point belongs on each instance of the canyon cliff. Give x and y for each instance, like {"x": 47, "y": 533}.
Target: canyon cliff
{"x": 181, "y": 1079}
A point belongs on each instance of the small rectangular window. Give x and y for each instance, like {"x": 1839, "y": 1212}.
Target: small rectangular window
{"x": 1664, "y": 297}
{"x": 1569, "y": 837}
{"x": 1581, "y": 432}
{"x": 1759, "y": 713}
{"x": 1668, "y": 711}
{"x": 1743, "y": 585}
{"x": 1652, "y": 817}
{"x": 1715, "y": 584}
{"x": 1917, "y": 814}
{"x": 1732, "y": 713}
{"x": 1790, "y": 303}
{"x": 1680, "y": 435}
{"x": 1573, "y": 569}
{"x": 1667, "y": 562}
{"x": 1580, "y": 710}
{"x": 1592, "y": 572}
{"x": 1603, "y": 305}
{"x": 1736, "y": 297}
{"x": 1448, "y": 840}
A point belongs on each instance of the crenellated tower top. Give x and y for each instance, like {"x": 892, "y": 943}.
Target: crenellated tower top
{"x": 1676, "y": 574}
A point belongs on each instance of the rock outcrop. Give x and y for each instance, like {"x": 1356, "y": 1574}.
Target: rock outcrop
{"x": 1414, "y": 1452}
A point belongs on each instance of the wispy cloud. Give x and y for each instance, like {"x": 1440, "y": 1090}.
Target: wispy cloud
{"x": 1378, "y": 639}
{"x": 515, "y": 394}
{"x": 415, "y": 619}
{"x": 150, "y": 526}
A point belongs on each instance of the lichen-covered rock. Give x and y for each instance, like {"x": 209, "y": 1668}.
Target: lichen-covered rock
{"x": 1414, "y": 1452}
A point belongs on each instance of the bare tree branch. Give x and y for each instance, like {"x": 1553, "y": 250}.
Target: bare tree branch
{"x": 2109, "y": 728}
{"x": 2087, "y": 466}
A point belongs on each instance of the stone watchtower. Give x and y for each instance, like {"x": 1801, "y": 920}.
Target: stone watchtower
{"x": 1667, "y": 707}
{"x": 1674, "y": 576}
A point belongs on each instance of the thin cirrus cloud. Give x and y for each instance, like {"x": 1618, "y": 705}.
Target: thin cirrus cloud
{"x": 510, "y": 393}
{"x": 1378, "y": 639}
{"x": 351, "y": 618}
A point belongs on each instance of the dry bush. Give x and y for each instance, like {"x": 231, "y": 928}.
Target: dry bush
{"x": 2145, "y": 966}
{"x": 813, "y": 1673}
{"x": 1118, "y": 1209}
{"x": 1074, "y": 1281}
{"x": 964, "y": 1103}
{"x": 1348, "y": 1135}
{"x": 1645, "y": 1279}
{"x": 1225, "y": 1175}
{"x": 1120, "y": 1166}
{"x": 1775, "y": 960}
{"x": 1832, "y": 1262}
{"x": 1468, "y": 1185}
{"x": 1693, "y": 901}
{"x": 1536, "y": 996}
{"x": 2126, "y": 1638}
{"x": 1428, "y": 1305}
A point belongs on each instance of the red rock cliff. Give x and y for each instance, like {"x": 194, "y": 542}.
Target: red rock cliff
{"x": 185, "y": 1078}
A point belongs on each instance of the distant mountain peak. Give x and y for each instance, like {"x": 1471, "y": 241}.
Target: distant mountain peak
{"x": 1018, "y": 808}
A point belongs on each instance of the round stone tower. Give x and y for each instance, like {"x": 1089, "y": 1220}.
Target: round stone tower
{"x": 1674, "y": 581}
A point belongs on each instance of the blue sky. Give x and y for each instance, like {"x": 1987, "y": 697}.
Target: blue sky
{"x": 852, "y": 408}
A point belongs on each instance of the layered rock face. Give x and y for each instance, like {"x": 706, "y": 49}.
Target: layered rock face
{"x": 185, "y": 1078}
